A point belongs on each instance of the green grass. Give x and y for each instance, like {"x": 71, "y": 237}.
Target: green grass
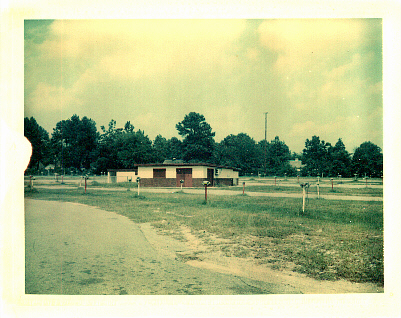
{"x": 331, "y": 240}
{"x": 376, "y": 192}
{"x": 128, "y": 185}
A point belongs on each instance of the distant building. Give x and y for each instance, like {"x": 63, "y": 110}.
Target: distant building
{"x": 170, "y": 174}
{"x": 50, "y": 168}
{"x": 297, "y": 164}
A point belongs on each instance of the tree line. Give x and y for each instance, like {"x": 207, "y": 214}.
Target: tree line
{"x": 76, "y": 146}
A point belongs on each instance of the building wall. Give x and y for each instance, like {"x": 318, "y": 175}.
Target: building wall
{"x": 199, "y": 172}
{"x": 121, "y": 176}
{"x": 171, "y": 172}
{"x": 227, "y": 173}
{"x": 225, "y": 182}
{"x": 225, "y": 177}
{"x": 196, "y": 182}
{"x": 145, "y": 172}
{"x": 125, "y": 176}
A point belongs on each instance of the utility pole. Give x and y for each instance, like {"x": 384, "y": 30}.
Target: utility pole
{"x": 265, "y": 141}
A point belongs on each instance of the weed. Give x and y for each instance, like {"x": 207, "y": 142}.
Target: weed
{"x": 241, "y": 252}
{"x": 90, "y": 281}
{"x": 138, "y": 196}
{"x": 28, "y": 189}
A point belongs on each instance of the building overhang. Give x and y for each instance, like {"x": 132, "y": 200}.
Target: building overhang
{"x": 209, "y": 165}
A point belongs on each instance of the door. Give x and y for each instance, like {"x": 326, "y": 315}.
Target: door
{"x": 186, "y": 175}
{"x": 210, "y": 176}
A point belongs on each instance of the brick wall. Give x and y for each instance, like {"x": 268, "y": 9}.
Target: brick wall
{"x": 158, "y": 182}
{"x": 223, "y": 182}
{"x": 171, "y": 182}
{"x": 217, "y": 182}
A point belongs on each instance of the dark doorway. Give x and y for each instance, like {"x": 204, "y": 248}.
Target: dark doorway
{"x": 186, "y": 175}
{"x": 210, "y": 176}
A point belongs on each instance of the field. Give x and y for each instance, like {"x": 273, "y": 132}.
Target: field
{"x": 332, "y": 240}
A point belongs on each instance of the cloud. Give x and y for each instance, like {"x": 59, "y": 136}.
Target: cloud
{"x": 145, "y": 118}
{"x": 375, "y": 89}
{"x": 303, "y": 43}
{"x": 335, "y": 127}
{"x": 328, "y": 67}
{"x": 302, "y": 129}
{"x": 342, "y": 89}
{"x": 353, "y": 129}
{"x": 48, "y": 97}
{"x": 253, "y": 54}
{"x": 136, "y": 48}
{"x": 345, "y": 70}
{"x": 229, "y": 119}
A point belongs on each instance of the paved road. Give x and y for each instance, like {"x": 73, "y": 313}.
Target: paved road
{"x": 74, "y": 249}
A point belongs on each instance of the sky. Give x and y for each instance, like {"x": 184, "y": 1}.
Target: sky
{"x": 318, "y": 77}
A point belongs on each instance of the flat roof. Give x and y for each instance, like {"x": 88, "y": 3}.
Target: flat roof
{"x": 176, "y": 165}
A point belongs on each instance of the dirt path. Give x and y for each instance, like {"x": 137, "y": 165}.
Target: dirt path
{"x": 216, "y": 191}
{"x": 209, "y": 256}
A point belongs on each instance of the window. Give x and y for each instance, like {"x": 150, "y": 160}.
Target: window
{"x": 159, "y": 173}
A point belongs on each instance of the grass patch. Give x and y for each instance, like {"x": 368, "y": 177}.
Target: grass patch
{"x": 90, "y": 281}
{"x": 29, "y": 189}
{"x": 374, "y": 192}
{"x": 128, "y": 185}
{"x": 332, "y": 240}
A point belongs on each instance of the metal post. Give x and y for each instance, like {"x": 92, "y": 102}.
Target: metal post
{"x": 265, "y": 142}
{"x": 303, "y": 200}
{"x": 138, "y": 180}
{"x": 85, "y": 184}
{"x": 332, "y": 187}
{"x": 307, "y": 193}
{"x": 206, "y": 184}
{"x": 243, "y": 188}
{"x": 275, "y": 181}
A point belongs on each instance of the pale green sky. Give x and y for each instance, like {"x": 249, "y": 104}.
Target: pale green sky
{"x": 315, "y": 77}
